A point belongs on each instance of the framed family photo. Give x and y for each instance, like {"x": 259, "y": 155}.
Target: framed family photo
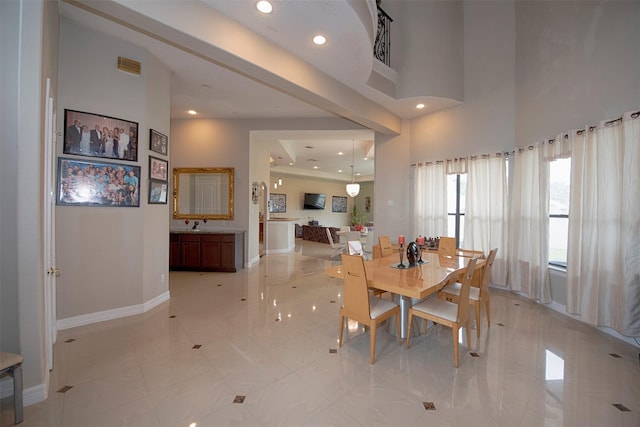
{"x": 157, "y": 192}
{"x": 158, "y": 169}
{"x": 97, "y": 135}
{"x": 339, "y": 204}
{"x": 86, "y": 183}
{"x": 158, "y": 142}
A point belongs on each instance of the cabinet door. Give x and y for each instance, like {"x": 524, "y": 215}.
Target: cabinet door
{"x": 210, "y": 245}
{"x": 174, "y": 251}
{"x": 190, "y": 250}
{"x": 228, "y": 248}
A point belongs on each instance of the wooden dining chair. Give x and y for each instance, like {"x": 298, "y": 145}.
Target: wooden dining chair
{"x": 478, "y": 296}
{"x": 361, "y": 306}
{"x": 385, "y": 245}
{"x": 448, "y": 313}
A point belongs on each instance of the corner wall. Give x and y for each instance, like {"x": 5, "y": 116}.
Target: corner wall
{"x": 111, "y": 258}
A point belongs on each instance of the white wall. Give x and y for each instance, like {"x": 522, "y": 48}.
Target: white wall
{"x": 578, "y": 62}
{"x": 111, "y": 258}
{"x": 28, "y": 43}
{"x": 427, "y": 48}
{"x": 485, "y": 122}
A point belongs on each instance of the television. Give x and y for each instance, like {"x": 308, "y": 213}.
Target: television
{"x": 314, "y": 201}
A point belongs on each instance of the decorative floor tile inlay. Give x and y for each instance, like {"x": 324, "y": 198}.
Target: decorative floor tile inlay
{"x": 332, "y": 301}
{"x": 243, "y": 299}
{"x": 333, "y": 351}
{"x": 172, "y": 316}
{"x": 65, "y": 389}
{"x": 500, "y": 324}
{"x": 239, "y": 399}
{"x": 515, "y": 303}
{"x": 429, "y": 406}
{"x": 621, "y": 407}
{"x": 474, "y": 354}
{"x": 617, "y": 356}
{"x": 197, "y": 346}
{"x": 70, "y": 340}
{"x": 219, "y": 284}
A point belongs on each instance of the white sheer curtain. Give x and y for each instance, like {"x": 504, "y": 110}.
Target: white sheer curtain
{"x": 430, "y": 199}
{"x": 486, "y": 210}
{"x": 603, "y": 266}
{"x": 529, "y": 225}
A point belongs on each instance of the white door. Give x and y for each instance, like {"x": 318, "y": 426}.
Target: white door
{"x": 49, "y": 219}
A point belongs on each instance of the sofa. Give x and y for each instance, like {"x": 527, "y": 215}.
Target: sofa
{"x": 318, "y": 233}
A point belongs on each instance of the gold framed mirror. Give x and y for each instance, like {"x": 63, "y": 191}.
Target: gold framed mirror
{"x": 203, "y": 193}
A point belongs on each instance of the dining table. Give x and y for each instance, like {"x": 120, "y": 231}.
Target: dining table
{"x": 411, "y": 283}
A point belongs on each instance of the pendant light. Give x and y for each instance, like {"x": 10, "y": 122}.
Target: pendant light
{"x": 353, "y": 189}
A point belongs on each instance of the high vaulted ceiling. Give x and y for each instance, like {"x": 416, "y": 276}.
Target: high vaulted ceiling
{"x": 203, "y": 81}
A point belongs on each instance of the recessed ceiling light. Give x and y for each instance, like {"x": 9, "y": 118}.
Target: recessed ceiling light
{"x": 264, "y": 6}
{"x": 290, "y": 163}
{"x": 340, "y": 170}
{"x": 340, "y": 153}
{"x": 315, "y": 167}
{"x": 357, "y": 173}
{"x": 319, "y": 39}
{"x": 192, "y": 112}
{"x": 420, "y": 106}
{"x": 365, "y": 158}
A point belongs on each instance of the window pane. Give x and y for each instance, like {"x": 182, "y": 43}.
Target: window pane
{"x": 451, "y": 226}
{"x": 451, "y": 193}
{"x": 558, "y": 236}
{"x": 463, "y": 194}
{"x": 461, "y": 237}
{"x": 559, "y": 179}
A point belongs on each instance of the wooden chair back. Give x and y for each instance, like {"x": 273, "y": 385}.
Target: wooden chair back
{"x": 447, "y": 246}
{"x": 356, "y": 294}
{"x": 463, "y": 299}
{"x": 486, "y": 274}
{"x": 385, "y": 245}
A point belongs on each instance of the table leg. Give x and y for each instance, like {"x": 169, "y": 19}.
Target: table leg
{"x": 405, "y": 303}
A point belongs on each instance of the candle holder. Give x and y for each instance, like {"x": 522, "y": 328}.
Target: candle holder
{"x": 401, "y": 265}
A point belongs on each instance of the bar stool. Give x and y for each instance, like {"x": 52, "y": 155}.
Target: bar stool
{"x": 12, "y": 364}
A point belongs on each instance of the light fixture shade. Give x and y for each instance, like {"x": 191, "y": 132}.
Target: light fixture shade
{"x": 353, "y": 189}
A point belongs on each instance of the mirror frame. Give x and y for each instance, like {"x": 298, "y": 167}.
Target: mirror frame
{"x": 228, "y": 172}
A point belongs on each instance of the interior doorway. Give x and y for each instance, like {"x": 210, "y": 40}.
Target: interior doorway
{"x": 262, "y": 215}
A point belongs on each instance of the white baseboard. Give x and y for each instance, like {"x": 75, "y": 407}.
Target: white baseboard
{"x": 255, "y": 260}
{"x": 116, "y": 313}
{"x": 281, "y": 251}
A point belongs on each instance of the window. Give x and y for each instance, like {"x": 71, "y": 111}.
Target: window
{"x": 559, "y": 179}
{"x": 456, "y": 201}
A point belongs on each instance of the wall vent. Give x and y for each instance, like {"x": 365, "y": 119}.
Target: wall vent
{"x": 129, "y": 65}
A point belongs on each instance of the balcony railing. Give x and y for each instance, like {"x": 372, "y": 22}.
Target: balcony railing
{"x": 382, "y": 46}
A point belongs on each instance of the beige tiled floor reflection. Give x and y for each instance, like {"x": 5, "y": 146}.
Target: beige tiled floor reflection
{"x": 265, "y": 333}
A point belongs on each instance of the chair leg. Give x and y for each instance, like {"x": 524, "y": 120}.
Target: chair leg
{"x": 487, "y": 311}
{"x": 341, "y": 330}
{"x": 408, "y": 329}
{"x": 372, "y": 343}
{"x": 466, "y": 327}
{"x": 477, "y": 306}
{"x": 455, "y": 346}
{"x": 398, "y": 328}
{"x": 17, "y": 394}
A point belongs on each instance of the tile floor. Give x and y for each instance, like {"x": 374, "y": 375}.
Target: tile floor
{"x": 254, "y": 349}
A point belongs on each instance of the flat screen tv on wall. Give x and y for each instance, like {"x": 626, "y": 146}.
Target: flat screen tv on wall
{"x": 314, "y": 201}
